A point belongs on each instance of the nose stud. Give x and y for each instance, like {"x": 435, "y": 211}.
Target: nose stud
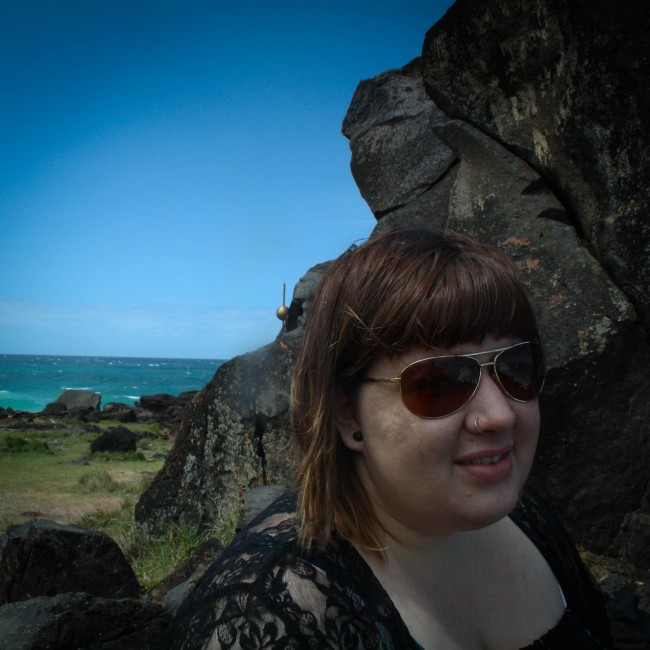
{"x": 478, "y": 429}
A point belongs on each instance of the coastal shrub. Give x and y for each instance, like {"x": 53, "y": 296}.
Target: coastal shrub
{"x": 224, "y": 526}
{"x": 99, "y": 481}
{"x": 154, "y": 556}
{"x": 12, "y": 444}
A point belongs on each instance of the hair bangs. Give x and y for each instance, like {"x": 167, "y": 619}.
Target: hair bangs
{"x": 467, "y": 300}
{"x": 434, "y": 301}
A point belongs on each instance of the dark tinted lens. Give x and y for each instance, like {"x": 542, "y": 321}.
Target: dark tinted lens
{"x": 521, "y": 371}
{"x": 433, "y": 388}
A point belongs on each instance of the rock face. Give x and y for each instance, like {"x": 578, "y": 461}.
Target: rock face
{"x": 563, "y": 87}
{"x": 115, "y": 439}
{"x": 526, "y": 125}
{"x": 79, "y": 399}
{"x": 79, "y": 620}
{"x": 234, "y": 434}
{"x": 43, "y": 558}
{"x": 566, "y": 86}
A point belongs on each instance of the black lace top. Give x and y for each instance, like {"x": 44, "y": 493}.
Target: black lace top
{"x": 265, "y": 592}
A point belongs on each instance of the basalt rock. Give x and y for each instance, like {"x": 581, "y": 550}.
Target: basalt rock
{"x": 79, "y": 399}
{"x": 117, "y": 438}
{"x": 80, "y": 620}
{"x": 43, "y": 558}
{"x": 566, "y": 87}
{"x": 234, "y": 435}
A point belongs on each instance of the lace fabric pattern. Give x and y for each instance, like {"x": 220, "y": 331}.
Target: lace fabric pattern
{"x": 266, "y": 592}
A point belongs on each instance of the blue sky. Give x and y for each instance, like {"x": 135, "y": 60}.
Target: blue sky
{"x": 168, "y": 164}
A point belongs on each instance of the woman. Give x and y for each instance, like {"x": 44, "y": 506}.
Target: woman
{"x": 416, "y": 418}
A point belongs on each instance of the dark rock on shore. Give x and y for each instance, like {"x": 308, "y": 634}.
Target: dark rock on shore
{"x": 166, "y": 410}
{"x": 565, "y": 87}
{"x": 54, "y": 408}
{"x": 233, "y": 436}
{"x": 562, "y": 90}
{"x": 43, "y": 558}
{"x": 74, "y": 399}
{"x": 80, "y": 620}
{"x": 115, "y": 439}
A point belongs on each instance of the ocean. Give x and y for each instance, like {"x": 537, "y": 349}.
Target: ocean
{"x": 30, "y": 382}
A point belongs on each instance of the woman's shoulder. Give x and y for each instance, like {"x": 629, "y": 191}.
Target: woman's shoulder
{"x": 266, "y": 591}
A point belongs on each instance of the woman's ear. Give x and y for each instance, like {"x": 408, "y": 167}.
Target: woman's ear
{"x": 347, "y": 424}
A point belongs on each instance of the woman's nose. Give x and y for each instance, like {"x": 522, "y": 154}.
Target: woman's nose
{"x": 490, "y": 405}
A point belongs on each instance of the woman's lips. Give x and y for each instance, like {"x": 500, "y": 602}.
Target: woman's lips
{"x": 489, "y": 465}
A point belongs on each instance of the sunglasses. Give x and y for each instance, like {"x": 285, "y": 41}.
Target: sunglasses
{"x": 439, "y": 386}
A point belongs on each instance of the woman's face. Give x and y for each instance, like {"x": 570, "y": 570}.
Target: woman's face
{"x": 436, "y": 476}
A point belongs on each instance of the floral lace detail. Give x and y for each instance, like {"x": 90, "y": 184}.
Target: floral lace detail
{"x": 266, "y": 592}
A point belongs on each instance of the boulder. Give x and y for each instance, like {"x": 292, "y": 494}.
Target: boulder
{"x": 117, "y": 438}
{"x": 119, "y": 412}
{"x": 54, "y": 408}
{"x": 158, "y": 402}
{"x": 233, "y": 436}
{"x": 79, "y": 399}
{"x": 43, "y": 558}
{"x": 566, "y": 87}
{"x": 80, "y": 620}
{"x": 256, "y": 500}
{"x": 126, "y": 415}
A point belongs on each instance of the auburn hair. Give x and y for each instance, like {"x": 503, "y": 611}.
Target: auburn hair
{"x": 402, "y": 289}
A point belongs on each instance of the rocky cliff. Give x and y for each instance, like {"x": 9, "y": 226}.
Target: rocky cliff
{"x": 525, "y": 124}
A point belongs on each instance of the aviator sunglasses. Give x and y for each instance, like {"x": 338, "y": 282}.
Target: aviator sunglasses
{"x": 439, "y": 386}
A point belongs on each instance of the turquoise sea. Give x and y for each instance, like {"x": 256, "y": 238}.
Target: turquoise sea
{"x": 29, "y": 382}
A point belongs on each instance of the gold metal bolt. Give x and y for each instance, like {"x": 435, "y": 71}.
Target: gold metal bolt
{"x": 282, "y": 312}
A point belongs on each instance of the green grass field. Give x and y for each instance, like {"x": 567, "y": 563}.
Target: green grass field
{"x": 53, "y": 475}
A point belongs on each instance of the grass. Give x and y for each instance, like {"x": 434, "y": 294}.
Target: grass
{"x": 40, "y": 473}
{"x": 154, "y": 556}
{"x": 52, "y": 475}
{"x": 12, "y": 444}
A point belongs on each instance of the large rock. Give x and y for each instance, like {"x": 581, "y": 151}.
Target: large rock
{"x": 76, "y": 399}
{"x": 566, "y": 86}
{"x": 234, "y": 435}
{"x": 43, "y": 558}
{"x": 82, "y": 621}
{"x": 117, "y": 438}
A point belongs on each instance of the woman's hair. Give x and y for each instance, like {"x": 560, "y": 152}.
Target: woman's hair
{"x": 403, "y": 289}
